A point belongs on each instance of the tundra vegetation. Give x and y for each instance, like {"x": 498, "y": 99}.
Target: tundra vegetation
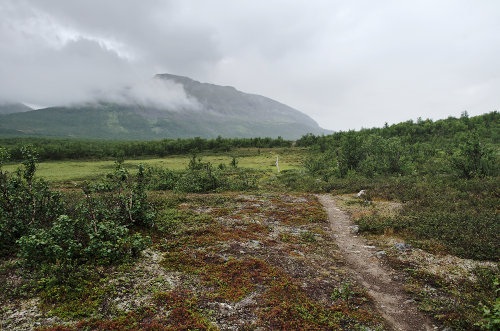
{"x": 217, "y": 238}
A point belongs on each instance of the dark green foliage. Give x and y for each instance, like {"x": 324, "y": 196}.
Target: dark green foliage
{"x": 370, "y": 156}
{"x": 59, "y": 149}
{"x": 34, "y": 221}
{"x": 474, "y": 159}
{"x": 26, "y": 202}
{"x": 70, "y": 242}
{"x": 459, "y": 214}
{"x": 350, "y": 153}
{"x": 234, "y": 162}
{"x": 440, "y": 133}
{"x": 120, "y": 197}
{"x": 382, "y": 156}
{"x": 491, "y": 315}
{"x": 161, "y": 179}
{"x": 200, "y": 178}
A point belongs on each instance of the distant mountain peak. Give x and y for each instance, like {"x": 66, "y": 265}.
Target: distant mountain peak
{"x": 175, "y": 78}
{"x": 221, "y": 110}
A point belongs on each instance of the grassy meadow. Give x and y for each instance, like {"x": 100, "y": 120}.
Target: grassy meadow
{"x": 263, "y": 159}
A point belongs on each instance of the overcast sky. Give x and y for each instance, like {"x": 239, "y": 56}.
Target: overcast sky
{"x": 347, "y": 64}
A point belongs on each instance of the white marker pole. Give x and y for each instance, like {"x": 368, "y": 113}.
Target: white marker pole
{"x": 277, "y": 163}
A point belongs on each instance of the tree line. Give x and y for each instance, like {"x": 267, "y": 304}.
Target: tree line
{"x": 438, "y": 133}
{"x": 61, "y": 149}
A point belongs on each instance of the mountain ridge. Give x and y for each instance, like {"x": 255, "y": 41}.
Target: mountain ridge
{"x": 223, "y": 111}
{"x": 12, "y": 108}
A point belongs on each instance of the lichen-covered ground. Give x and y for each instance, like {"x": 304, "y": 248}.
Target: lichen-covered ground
{"x": 218, "y": 261}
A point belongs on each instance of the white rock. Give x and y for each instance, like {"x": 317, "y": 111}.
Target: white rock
{"x": 361, "y": 193}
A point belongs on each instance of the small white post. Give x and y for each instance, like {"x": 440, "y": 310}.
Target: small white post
{"x": 277, "y": 163}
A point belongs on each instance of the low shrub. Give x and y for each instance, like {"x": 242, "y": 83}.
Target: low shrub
{"x": 76, "y": 241}
{"x": 26, "y": 202}
{"x": 202, "y": 177}
{"x": 37, "y": 224}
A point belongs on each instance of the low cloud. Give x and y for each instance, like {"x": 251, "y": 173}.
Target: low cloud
{"x": 156, "y": 93}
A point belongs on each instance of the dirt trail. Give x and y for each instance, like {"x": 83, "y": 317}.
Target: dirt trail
{"x": 388, "y": 295}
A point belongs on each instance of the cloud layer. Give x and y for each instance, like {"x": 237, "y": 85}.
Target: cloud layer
{"x": 348, "y": 64}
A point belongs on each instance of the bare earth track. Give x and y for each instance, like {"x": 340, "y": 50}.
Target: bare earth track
{"x": 389, "y": 296}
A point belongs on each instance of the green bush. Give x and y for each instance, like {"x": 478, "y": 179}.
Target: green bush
{"x": 198, "y": 181}
{"x": 491, "y": 315}
{"x": 75, "y": 241}
{"x": 474, "y": 159}
{"x": 383, "y": 156}
{"x": 350, "y": 153}
{"x": 202, "y": 177}
{"x": 161, "y": 179}
{"x": 25, "y": 201}
{"x": 120, "y": 197}
{"x": 34, "y": 221}
{"x": 323, "y": 165}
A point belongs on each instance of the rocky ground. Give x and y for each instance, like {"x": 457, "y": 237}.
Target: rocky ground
{"x": 220, "y": 261}
{"x": 266, "y": 261}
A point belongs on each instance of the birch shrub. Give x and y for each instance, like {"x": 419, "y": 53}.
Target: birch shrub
{"x": 35, "y": 223}
{"x": 26, "y": 202}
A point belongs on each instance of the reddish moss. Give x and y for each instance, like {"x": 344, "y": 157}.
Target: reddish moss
{"x": 185, "y": 260}
{"x": 237, "y": 278}
{"x": 184, "y": 315}
{"x": 258, "y": 228}
{"x": 250, "y": 210}
{"x": 287, "y": 307}
{"x": 139, "y": 319}
{"x": 292, "y": 213}
{"x": 219, "y": 212}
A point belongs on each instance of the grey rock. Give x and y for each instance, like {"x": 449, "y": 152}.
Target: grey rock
{"x": 402, "y": 246}
{"x": 254, "y": 243}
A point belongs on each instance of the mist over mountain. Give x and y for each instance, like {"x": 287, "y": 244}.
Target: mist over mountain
{"x": 168, "y": 106}
{"x": 11, "y": 108}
